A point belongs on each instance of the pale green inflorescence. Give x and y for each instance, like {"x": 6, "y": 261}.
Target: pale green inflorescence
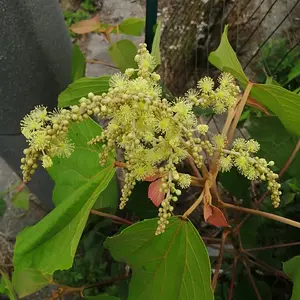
{"x": 252, "y": 167}
{"x": 155, "y": 134}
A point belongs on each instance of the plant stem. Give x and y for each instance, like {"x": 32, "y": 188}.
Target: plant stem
{"x": 263, "y": 214}
{"x": 290, "y": 159}
{"x": 64, "y": 290}
{"x": 214, "y": 163}
{"x": 197, "y": 181}
{"x": 211, "y": 239}
{"x": 265, "y": 266}
{"x": 248, "y": 271}
{"x": 230, "y": 116}
{"x": 193, "y": 207}
{"x": 219, "y": 262}
{"x": 193, "y": 166}
{"x": 120, "y": 164}
{"x": 239, "y": 111}
{"x": 256, "y": 207}
{"x": 106, "y": 282}
{"x": 273, "y": 247}
{"x": 230, "y": 294}
{"x": 113, "y": 217}
{"x": 100, "y": 62}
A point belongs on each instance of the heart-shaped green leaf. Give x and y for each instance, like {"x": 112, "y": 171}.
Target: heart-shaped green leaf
{"x": 122, "y": 53}
{"x": 132, "y": 26}
{"x": 173, "y": 265}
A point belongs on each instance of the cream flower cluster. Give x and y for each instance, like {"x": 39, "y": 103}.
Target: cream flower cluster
{"x": 252, "y": 167}
{"x": 46, "y": 134}
{"x": 154, "y": 133}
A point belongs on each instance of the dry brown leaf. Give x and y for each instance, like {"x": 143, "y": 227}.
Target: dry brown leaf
{"x": 86, "y": 26}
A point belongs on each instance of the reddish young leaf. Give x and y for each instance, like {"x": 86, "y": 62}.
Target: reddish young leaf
{"x": 214, "y": 216}
{"x": 207, "y": 211}
{"x": 154, "y": 194}
{"x": 86, "y": 26}
{"x": 253, "y": 103}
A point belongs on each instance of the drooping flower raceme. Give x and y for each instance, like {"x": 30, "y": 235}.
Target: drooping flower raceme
{"x": 252, "y": 167}
{"x": 155, "y": 134}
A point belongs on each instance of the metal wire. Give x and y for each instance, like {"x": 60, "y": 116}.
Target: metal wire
{"x": 255, "y": 11}
{"x": 234, "y": 6}
{"x": 291, "y": 49}
{"x": 285, "y": 56}
{"x": 259, "y": 23}
{"x": 270, "y": 35}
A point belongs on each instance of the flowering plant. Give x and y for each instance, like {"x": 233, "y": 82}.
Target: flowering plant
{"x": 154, "y": 137}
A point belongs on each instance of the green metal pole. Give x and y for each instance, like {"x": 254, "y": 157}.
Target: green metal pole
{"x": 151, "y": 18}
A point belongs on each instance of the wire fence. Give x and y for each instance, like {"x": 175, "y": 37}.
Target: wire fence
{"x": 264, "y": 33}
{"x": 253, "y": 25}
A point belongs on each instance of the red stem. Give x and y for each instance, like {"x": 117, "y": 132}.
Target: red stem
{"x": 219, "y": 262}
{"x": 273, "y": 247}
{"x": 233, "y": 277}
{"x": 265, "y": 266}
{"x": 248, "y": 271}
{"x": 113, "y": 217}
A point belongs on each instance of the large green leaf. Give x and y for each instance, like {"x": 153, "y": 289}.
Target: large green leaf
{"x": 6, "y": 287}
{"x": 101, "y": 297}
{"x": 78, "y": 63}
{"x": 81, "y": 88}
{"x": 285, "y": 104}
{"x": 132, "y": 26}
{"x": 27, "y": 281}
{"x": 173, "y": 265}
{"x": 122, "y": 53}
{"x": 109, "y": 198}
{"x": 292, "y": 269}
{"x": 294, "y": 73}
{"x": 21, "y": 199}
{"x": 156, "y": 44}
{"x": 276, "y": 143}
{"x": 225, "y": 59}
{"x": 51, "y": 244}
{"x": 81, "y": 167}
